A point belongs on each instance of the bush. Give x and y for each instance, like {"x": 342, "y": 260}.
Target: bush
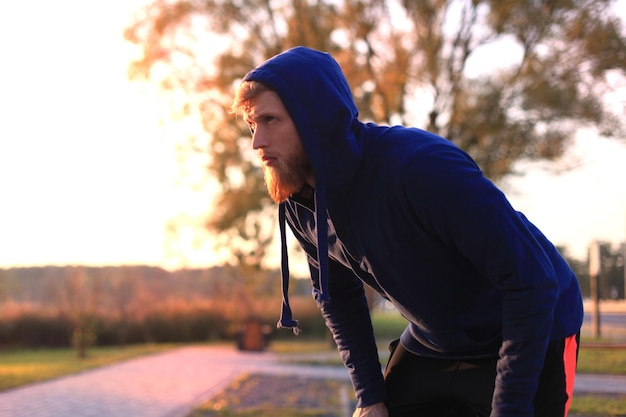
{"x": 186, "y": 325}
{"x": 112, "y": 332}
{"x": 35, "y": 330}
{"x": 171, "y": 321}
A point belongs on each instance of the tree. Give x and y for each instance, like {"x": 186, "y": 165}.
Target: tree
{"x": 406, "y": 61}
{"x": 79, "y": 300}
{"x": 611, "y": 280}
{"x": 612, "y": 272}
{"x": 124, "y": 295}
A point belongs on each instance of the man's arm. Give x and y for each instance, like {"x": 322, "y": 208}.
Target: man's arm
{"x": 348, "y": 318}
{"x": 346, "y": 314}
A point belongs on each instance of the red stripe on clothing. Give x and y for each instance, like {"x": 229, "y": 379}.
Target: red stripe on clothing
{"x": 569, "y": 361}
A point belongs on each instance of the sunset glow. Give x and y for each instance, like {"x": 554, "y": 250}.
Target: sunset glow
{"x": 87, "y": 172}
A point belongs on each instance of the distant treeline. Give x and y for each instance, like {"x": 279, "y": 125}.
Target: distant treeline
{"x": 611, "y": 283}
{"x": 59, "y": 306}
{"x": 40, "y": 284}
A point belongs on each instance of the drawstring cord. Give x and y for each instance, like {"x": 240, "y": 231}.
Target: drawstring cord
{"x": 322, "y": 243}
{"x": 321, "y": 295}
{"x": 286, "y": 317}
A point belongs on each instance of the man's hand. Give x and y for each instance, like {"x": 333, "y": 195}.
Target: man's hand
{"x": 374, "y": 410}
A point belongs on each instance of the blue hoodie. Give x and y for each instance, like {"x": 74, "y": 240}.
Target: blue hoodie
{"x": 411, "y": 215}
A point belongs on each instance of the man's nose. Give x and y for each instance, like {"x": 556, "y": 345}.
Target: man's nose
{"x": 259, "y": 139}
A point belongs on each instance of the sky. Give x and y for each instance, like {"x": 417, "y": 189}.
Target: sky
{"x": 87, "y": 173}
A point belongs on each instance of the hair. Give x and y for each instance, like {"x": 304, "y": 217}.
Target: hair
{"x": 245, "y": 93}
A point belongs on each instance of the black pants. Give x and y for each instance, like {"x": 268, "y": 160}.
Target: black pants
{"x": 426, "y": 387}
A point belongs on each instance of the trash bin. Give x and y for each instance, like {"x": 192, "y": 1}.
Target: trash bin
{"x": 253, "y": 336}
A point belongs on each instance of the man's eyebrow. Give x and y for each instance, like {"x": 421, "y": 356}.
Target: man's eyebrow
{"x": 254, "y": 116}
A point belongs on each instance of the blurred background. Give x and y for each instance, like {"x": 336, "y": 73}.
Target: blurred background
{"x": 131, "y": 201}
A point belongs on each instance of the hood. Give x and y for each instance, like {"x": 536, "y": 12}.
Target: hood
{"x": 318, "y": 98}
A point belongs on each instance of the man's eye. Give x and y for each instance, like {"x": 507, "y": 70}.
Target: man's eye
{"x": 252, "y": 128}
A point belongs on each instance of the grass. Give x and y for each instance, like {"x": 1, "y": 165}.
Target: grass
{"x": 301, "y": 346}
{"x": 388, "y": 326}
{"x": 285, "y": 396}
{"x": 599, "y": 405}
{"x": 610, "y": 361}
{"x": 21, "y": 367}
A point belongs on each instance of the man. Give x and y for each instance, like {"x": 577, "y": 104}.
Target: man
{"x": 494, "y": 311}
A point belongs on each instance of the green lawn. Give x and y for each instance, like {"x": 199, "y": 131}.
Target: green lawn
{"x": 610, "y": 361}
{"x": 599, "y": 405}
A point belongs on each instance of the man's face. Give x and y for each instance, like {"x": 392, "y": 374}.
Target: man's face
{"x": 274, "y": 135}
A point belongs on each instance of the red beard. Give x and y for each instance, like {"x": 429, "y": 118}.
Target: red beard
{"x": 287, "y": 178}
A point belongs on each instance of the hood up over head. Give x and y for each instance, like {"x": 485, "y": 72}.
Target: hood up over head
{"x": 318, "y": 98}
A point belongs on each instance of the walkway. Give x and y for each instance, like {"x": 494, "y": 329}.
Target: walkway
{"x": 163, "y": 385}
{"x": 172, "y": 383}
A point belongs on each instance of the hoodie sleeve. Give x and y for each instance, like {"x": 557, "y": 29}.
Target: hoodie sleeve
{"x": 451, "y": 198}
{"x": 347, "y": 317}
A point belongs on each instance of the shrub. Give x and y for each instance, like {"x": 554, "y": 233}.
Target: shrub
{"x": 170, "y": 321}
{"x": 37, "y": 329}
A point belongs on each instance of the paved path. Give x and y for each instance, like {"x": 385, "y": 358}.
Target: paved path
{"x": 163, "y": 385}
{"x": 172, "y": 383}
